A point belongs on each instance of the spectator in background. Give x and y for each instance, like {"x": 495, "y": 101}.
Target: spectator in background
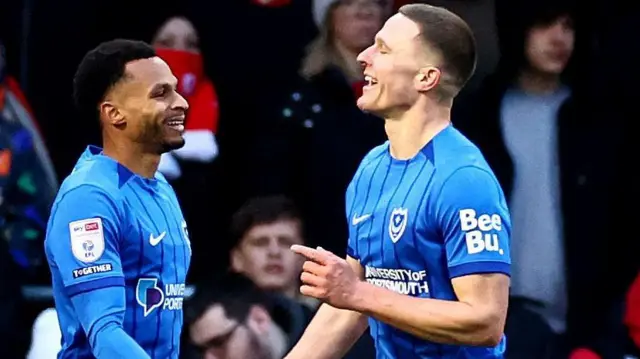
{"x": 231, "y": 319}
{"x": 28, "y": 182}
{"x": 46, "y": 337}
{"x": 264, "y": 229}
{"x": 524, "y": 120}
{"x": 313, "y": 148}
{"x": 177, "y": 43}
{"x": 14, "y": 338}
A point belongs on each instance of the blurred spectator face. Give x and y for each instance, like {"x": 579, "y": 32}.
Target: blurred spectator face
{"x": 177, "y": 33}
{"x": 219, "y": 337}
{"x": 549, "y": 46}
{"x": 355, "y": 22}
{"x": 264, "y": 254}
{"x": 177, "y": 44}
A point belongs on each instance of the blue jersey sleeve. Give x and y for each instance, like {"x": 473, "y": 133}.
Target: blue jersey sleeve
{"x": 473, "y": 218}
{"x": 101, "y": 314}
{"x": 83, "y": 240}
{"x": 351, "y": 245}
{"x": 83, "y": 244}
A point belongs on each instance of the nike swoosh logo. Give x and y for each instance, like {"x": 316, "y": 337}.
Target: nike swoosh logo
{"x": 155, "y": 240}
{"x": 357, "y": 220}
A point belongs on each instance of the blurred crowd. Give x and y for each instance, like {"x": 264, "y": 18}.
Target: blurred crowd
{"x": 273, "y": 137}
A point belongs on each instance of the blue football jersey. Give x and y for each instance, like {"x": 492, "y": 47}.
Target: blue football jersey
{"x": 112, "y": 229}
{"x": 416, "y": 224}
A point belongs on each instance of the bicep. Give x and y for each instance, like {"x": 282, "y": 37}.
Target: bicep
{"x": 83, "y": 241}
{"x": 473, "y": 218}
{"x": 486, "y": 293}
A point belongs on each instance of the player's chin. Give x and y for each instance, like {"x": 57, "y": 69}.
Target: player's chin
{"x": 274, "y": 282}
{"x": 171, "y": 143}
{"x": 368, "y": 105}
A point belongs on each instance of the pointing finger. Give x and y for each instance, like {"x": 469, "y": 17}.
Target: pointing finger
{"x": 311, "y": 254}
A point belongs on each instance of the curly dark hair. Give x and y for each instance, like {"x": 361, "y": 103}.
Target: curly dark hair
{"x": 102, "y": 68}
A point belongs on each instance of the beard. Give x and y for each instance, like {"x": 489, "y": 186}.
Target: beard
{"x": 157, "y": 137}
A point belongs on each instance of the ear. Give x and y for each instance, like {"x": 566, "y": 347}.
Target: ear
{"x": 237, "y": 261}
{"x": 259, "y": 318}
{"x": 427, "y": 78}
{"x": 110, "y": 113}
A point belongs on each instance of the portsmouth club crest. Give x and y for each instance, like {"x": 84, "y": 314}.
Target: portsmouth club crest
{"x": 398, "y": 223}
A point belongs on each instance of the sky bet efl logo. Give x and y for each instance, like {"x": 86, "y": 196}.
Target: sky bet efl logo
{"x": 150, "y": 295}
{"x": 478, "y": 231}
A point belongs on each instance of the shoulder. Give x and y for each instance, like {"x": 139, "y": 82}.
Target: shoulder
{"x": 90, "y": 185}
{"x": 374, "y": 155}
{"x": 456, "y": 156}
{"x": 369, "y": 163}
{"x": 92, "y": 174}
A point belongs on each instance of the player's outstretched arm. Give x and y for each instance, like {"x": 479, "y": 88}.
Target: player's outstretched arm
{"x": 82, "y": 246}
{"x": 477, "y": 318}
{"x": 332, "y": 332}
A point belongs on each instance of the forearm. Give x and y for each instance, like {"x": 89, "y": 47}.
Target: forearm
{"x": 331, "y": 333}
{"x": 111, "y": 341}
{"x": 440, "y": 321}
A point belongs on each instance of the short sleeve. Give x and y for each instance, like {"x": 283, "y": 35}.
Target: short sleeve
{"x": 83, "y": 240}
{"x": 474, "y": 220}
{"x": 351, "y": 241}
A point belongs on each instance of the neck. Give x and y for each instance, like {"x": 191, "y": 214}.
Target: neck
{"x": 350, "y": 61}
{"x": 409, "y": 132}
{"x": 132, "y": 156}
{"x": 538, "y": 83}
{"x": 291, "y": 293}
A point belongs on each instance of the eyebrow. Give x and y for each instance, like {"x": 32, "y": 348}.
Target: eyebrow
{"x": 163, "y": 86}
{"x": 381, "y": 43}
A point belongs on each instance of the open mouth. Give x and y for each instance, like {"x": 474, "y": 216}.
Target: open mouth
{"x": 370, "y": 81}
{"x": 175, "y": 123}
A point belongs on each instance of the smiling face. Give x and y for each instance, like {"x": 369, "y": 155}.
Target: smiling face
{"x": 145, "y": 108}
{"x": 394, "y": 68}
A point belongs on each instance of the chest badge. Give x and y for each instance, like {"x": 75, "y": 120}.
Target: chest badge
{"x": 398, "y": 223}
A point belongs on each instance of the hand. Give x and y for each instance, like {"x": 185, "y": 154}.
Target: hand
{"x": 328, "y": 277}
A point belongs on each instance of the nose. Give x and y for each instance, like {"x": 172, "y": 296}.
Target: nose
{"x": 364, "y": 58}
{"x": 180, "y": 103}
{"x": 274, "y": 249}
